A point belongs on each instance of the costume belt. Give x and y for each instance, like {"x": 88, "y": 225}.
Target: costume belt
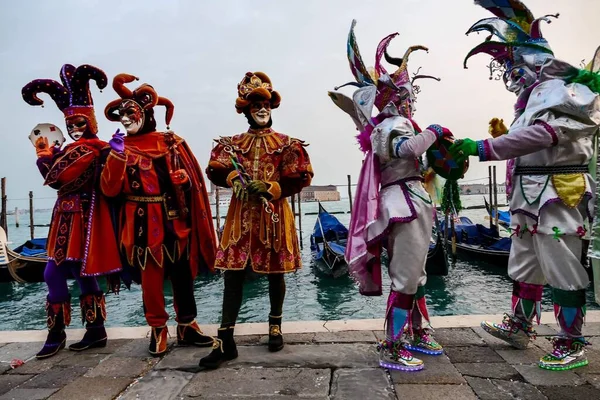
{"x": 145, "y": 199}
{"x": 551, "y": 170}
{"x": 403, "y": 180}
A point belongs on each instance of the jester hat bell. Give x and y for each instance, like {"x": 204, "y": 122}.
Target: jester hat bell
{"x": 73, "y": 96}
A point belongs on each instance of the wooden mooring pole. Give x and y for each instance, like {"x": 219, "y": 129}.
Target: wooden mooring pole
{"x": 490, "y": 190}
{"x": 350, "y": 192}
{"x": 217, "y": 211}
{"x": 3, "y": 210}
{"x": 31, "y": 224}
{"x": 495, "y": 199}
{"x": 300, "y": 219}
{"x": 17, "y": 217}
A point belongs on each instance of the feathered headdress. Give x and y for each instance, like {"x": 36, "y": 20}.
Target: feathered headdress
{"x": 145, "y": 96}
{"x": 73, "y": 96}
{"x": 518, "y": 37}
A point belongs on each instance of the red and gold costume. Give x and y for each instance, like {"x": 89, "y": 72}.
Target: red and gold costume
{"x": 81, "y": 240}
{"x": 165, "y": 222}
{"x": 263, "y": 167}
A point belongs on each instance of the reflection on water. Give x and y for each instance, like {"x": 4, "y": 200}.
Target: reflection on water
{"x": 470, "y": 288}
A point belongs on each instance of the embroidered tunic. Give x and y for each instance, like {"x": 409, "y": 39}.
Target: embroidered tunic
{"x": 256, "y": 233}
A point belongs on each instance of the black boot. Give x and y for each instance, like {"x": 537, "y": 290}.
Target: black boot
{"x": 93, "y": 314}
{"x": 275, "y": 336}
{"x": 224, "y": 349}
{"x": 58, "y": 316}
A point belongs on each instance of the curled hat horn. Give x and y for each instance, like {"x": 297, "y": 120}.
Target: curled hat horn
{"x": 163, "y": 101}
{"x": 57, "y": 92}
{"x": 119, "y": 82}
{"x": 110, "y": 111}
{"x": 146, "y": 96}
{"x": 402, "y": 63}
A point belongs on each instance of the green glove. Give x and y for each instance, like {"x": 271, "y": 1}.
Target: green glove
{"x": 462, "y": 149}
{"x": 239, "y": 191}
{"x": 257, "y": 187}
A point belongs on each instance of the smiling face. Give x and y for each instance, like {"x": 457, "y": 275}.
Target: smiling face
{"x": 261, "y": 112}
{"x": 132, "y": 116}
{"x": 76, "y": 126}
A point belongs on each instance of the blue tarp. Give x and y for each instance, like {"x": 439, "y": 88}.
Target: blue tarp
{"x": 502, "y": 245}
{"x": 329, "y": 226}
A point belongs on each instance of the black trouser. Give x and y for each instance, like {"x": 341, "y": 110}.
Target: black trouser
{"x": 233, "y": 295}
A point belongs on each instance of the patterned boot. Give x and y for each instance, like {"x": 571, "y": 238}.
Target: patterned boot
{"x": 393, "y": 353}
{"x": 275, "y": 335}
{"x": 58, "y": 317}
{"x": 517, "y": 328}
{"x": 421, "y": 340}
{"x": 224, "y": 349}
{"x": 568, "y": 352}
{"x": 190, "y": 334}
{"x": 93, "y": 314}
{"x": 158, "y": 341}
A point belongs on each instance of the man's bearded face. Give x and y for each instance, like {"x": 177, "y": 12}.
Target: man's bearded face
{"x": 261, "y": 112}
{"x": 76, "y": 126}
{"x": 132, "y": 117}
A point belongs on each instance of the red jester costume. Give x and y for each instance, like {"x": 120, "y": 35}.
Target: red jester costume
{"x": 165, "y": 224}
{"x": 81, "y": 240}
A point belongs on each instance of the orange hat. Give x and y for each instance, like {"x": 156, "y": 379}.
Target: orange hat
{"x": 255, "y": 86}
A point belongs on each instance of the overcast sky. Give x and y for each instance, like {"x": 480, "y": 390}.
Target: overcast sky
{"x": 195, "y": 53}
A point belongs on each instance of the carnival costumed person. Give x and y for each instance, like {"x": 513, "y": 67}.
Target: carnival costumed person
{"x": 165, "y": 224}
{"x": 551, "y": 143}
{"x": 391, "y": 203}
{"x": 263, "y": 167}
{"x": 81, "y": 241}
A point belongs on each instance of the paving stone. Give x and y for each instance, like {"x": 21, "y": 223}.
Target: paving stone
{"x": 260, "y": 382}
{"x": 494, "y": 389}
{"x": 345, "y": 337}
{"x": 569, "y": 393}
{"x": 4, "y": 366}
{"x": 449, "y": 337}
{"x": 309, "y": 356}
{"x": 592, "y": 329}
{"x": 488, "y": 370}
{"x": 99, "y": 388}
{"x": 289, "y": 338}
{"x": 434, "y": 392}
{"x": 542, "y": 377}
{"x": 361, "y": 384}
{"x": 593, "y": 379}
{"x": 530, "y": 355}
{"x": 36, "y": 366}
{"x": 158, "y": 385}
{"x": 121, "y": 367}
{"x": 472, "y": 354}
{"x": 28, "y": 394}
{"x": 438, "y": 370}
{"x": 546, "y": 329}
{"x": 84, "y": 359}
{"x": 55, "y": 377}
{"x": 22, "y": 351}
{"x": 9, "y": 382}
{"x": 134, "y": 348}
{"x": 248, "y": 340}
{"x": 491, "y": 341}
{"x": 380, "y": 335}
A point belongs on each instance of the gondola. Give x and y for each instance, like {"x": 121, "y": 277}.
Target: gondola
{"x": 23, "y": 264}
{"x": 328, "y": 243}
{"x": 437, "y": 256}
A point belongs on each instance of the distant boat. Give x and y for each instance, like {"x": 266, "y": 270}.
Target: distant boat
{"x": 328, "y": 243}
{"x": 25, "y": 263}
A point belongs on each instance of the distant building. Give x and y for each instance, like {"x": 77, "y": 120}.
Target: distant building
{"x": 480, "y": 188}
{"x": 320, "y": 193}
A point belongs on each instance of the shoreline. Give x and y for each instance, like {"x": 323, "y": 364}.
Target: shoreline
{"x": 291, "y": 327}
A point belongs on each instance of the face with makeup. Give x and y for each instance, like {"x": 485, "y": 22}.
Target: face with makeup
{"x": 519, "y": 78}
{"x": 131, "y": 116}
{"x": 261, "y": 112}
{"x": 76, "y": 126}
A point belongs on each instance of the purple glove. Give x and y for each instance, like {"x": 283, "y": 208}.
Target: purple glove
{"x": 117, "y": 143}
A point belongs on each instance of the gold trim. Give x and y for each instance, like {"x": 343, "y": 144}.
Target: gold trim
{"x": 145, "y": 199}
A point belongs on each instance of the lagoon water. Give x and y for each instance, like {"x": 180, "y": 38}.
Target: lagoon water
{"x": 469, "y": 288}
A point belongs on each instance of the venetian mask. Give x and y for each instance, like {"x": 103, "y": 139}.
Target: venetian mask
{"x": 76, "y": 126}
{"x": 261, "y": 112}
{"x": 132, "y": 116}
{"x": 519, "y": 78}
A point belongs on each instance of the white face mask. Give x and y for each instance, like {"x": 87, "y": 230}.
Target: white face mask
{"x": 519, "y": 78}
{"x": 261, "y": 113}
{"x": 132, "y": 117}
{"x": 76, "y": 127}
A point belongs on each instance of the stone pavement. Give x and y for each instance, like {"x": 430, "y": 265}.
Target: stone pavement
{"x": 321, "y": 365}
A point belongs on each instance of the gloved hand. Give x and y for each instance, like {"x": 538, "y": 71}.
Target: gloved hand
{"x": 117, "y": 143}
{"x": 440, "y": 131}
{"x": 239, "y": 191}
{"x": 42, "y": 149}
{"x": 461, "y": 149}
{"x": 257, "y": 187}
{"x": 179, "y": 177}
{"x": 497, "y": 128}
